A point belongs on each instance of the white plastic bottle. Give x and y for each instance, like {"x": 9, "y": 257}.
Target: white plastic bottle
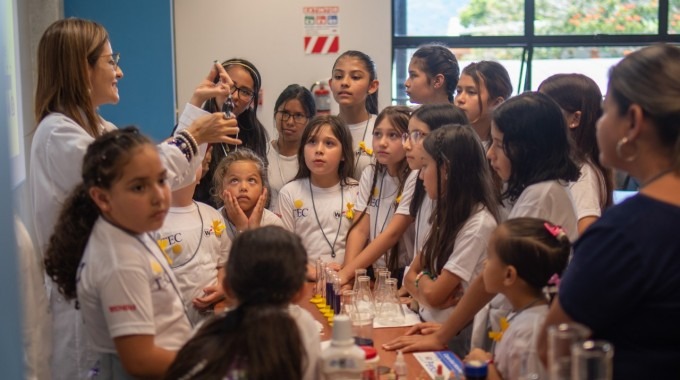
{"x": 400, "y": 366}
{"x": 342, "y": 360}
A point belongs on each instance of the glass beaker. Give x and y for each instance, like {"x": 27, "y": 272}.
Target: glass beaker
{"x": 560, "y": 339}
{"x": 592, "y": 360}
{"x": 364, "y": 297}
{"x": 380, "y": 289}
{"x": 390, "y": 312}
{"x": 358, "y": 273}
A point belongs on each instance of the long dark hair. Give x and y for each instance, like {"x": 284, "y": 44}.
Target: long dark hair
{"x": 341, "y": 132}
{"x": 398, "y": 117}
{"x": 252, "y": 132}
{"x": 259, "y": 337}
{"x": 496, "y": 80}
{"x": 299, "y": 93}
{"x": 437, "y": 59}
{"x": 102, "y": 166}
{"x": 435, "y": 116}
{"x": 371, "y": 99}
{"x": 458, "y": 151}
{"x": 535, "y": 141}
{"x": 578, "y": 93}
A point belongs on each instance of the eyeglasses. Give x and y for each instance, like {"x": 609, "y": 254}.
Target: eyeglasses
{"x": 113, "y": 61}
{"x": 298, "y": 118}
{"x": 243, "y": 93}
{"x": 414, "y": 136}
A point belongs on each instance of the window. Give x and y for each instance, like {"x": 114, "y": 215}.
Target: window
{"x": 533, "y": 39}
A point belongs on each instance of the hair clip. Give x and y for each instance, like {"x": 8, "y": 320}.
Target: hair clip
{"x": 556, "y": 231}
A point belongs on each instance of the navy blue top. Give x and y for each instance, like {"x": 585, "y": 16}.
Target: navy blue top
{"x": 624, "y": 283}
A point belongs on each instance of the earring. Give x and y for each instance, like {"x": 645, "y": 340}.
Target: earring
{"x": 620, "y": 146}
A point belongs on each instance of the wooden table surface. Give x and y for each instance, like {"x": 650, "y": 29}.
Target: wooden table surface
{"x": 380, "y": 336}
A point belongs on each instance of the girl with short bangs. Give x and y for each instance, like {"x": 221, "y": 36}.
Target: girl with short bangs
{"x": 319, "y": 204}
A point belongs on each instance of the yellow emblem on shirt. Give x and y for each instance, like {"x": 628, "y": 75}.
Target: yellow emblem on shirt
{"x": 367, "y": 150}
{"x": 163, "y": 245}
{"x": 297, "y": 203}
{"x": 218, "y": 227}
{"x": 498, "y": 335}
{"x": 349, "y": 214}
{"x": 177, "y": 249}
{"x": 375, "y": 192}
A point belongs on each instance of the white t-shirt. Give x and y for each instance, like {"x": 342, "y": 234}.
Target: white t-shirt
{"x": 549, "y": 200}
{"x": 309, "y": 332}
{"x": 587, "y": 192}
{"x": 382, "y": 208}
{"x": 299, "y": 214}
{"x": 422, "y": 224}
{"x": 362, "y": 132}
{"x": 126, "y": 287}
{"x": 268, "y": 219}
{"x": 195, "y": 239}
{"x": 467, "y": 259}
{"x": 57, "y": 152}
{"x": 518, "y": 345}
{"x": 281, "y": 170}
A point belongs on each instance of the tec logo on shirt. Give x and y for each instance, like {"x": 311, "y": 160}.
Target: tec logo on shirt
{"x": 299, "y": 211}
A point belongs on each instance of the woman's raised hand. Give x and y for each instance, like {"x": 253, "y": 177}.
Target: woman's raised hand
{"x": 214, "y": 128}
{"x": 208, "y": 89}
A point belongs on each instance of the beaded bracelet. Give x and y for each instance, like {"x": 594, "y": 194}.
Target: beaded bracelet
{"x": 424, "y": 273}
{"x": 191, "y": 139}
{"x": 183, "y": 145}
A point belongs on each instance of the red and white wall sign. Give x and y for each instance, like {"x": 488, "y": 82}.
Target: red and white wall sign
{"x": 322, "y": 29}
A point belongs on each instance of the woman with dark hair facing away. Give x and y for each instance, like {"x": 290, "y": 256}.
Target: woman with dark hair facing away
{"x": 482, "y": 87}
{"x": 245, "y": 97}
{"x": 580, "y": 99}
{"x": 262, "y": 338}
{"x": 433, "y": 75}
{"x": 531, "y": 153}
{"x": 292, "y": 110}
{"x": 354, "y": 83}
{"x": 623, "y": 279}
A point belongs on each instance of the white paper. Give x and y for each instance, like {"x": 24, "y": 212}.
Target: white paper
{"x": 449, "y": 361}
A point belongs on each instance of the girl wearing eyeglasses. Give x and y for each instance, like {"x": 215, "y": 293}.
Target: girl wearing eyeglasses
{"x": 385, "y": 193}
{"x": 245, "y": 95}
{"x": 424, "y": 120}
{"x": 293, "y": 108}
{"x": 354, "y": 84}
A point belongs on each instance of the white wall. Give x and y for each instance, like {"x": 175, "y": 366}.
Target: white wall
{"x": 270, "y": 34}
